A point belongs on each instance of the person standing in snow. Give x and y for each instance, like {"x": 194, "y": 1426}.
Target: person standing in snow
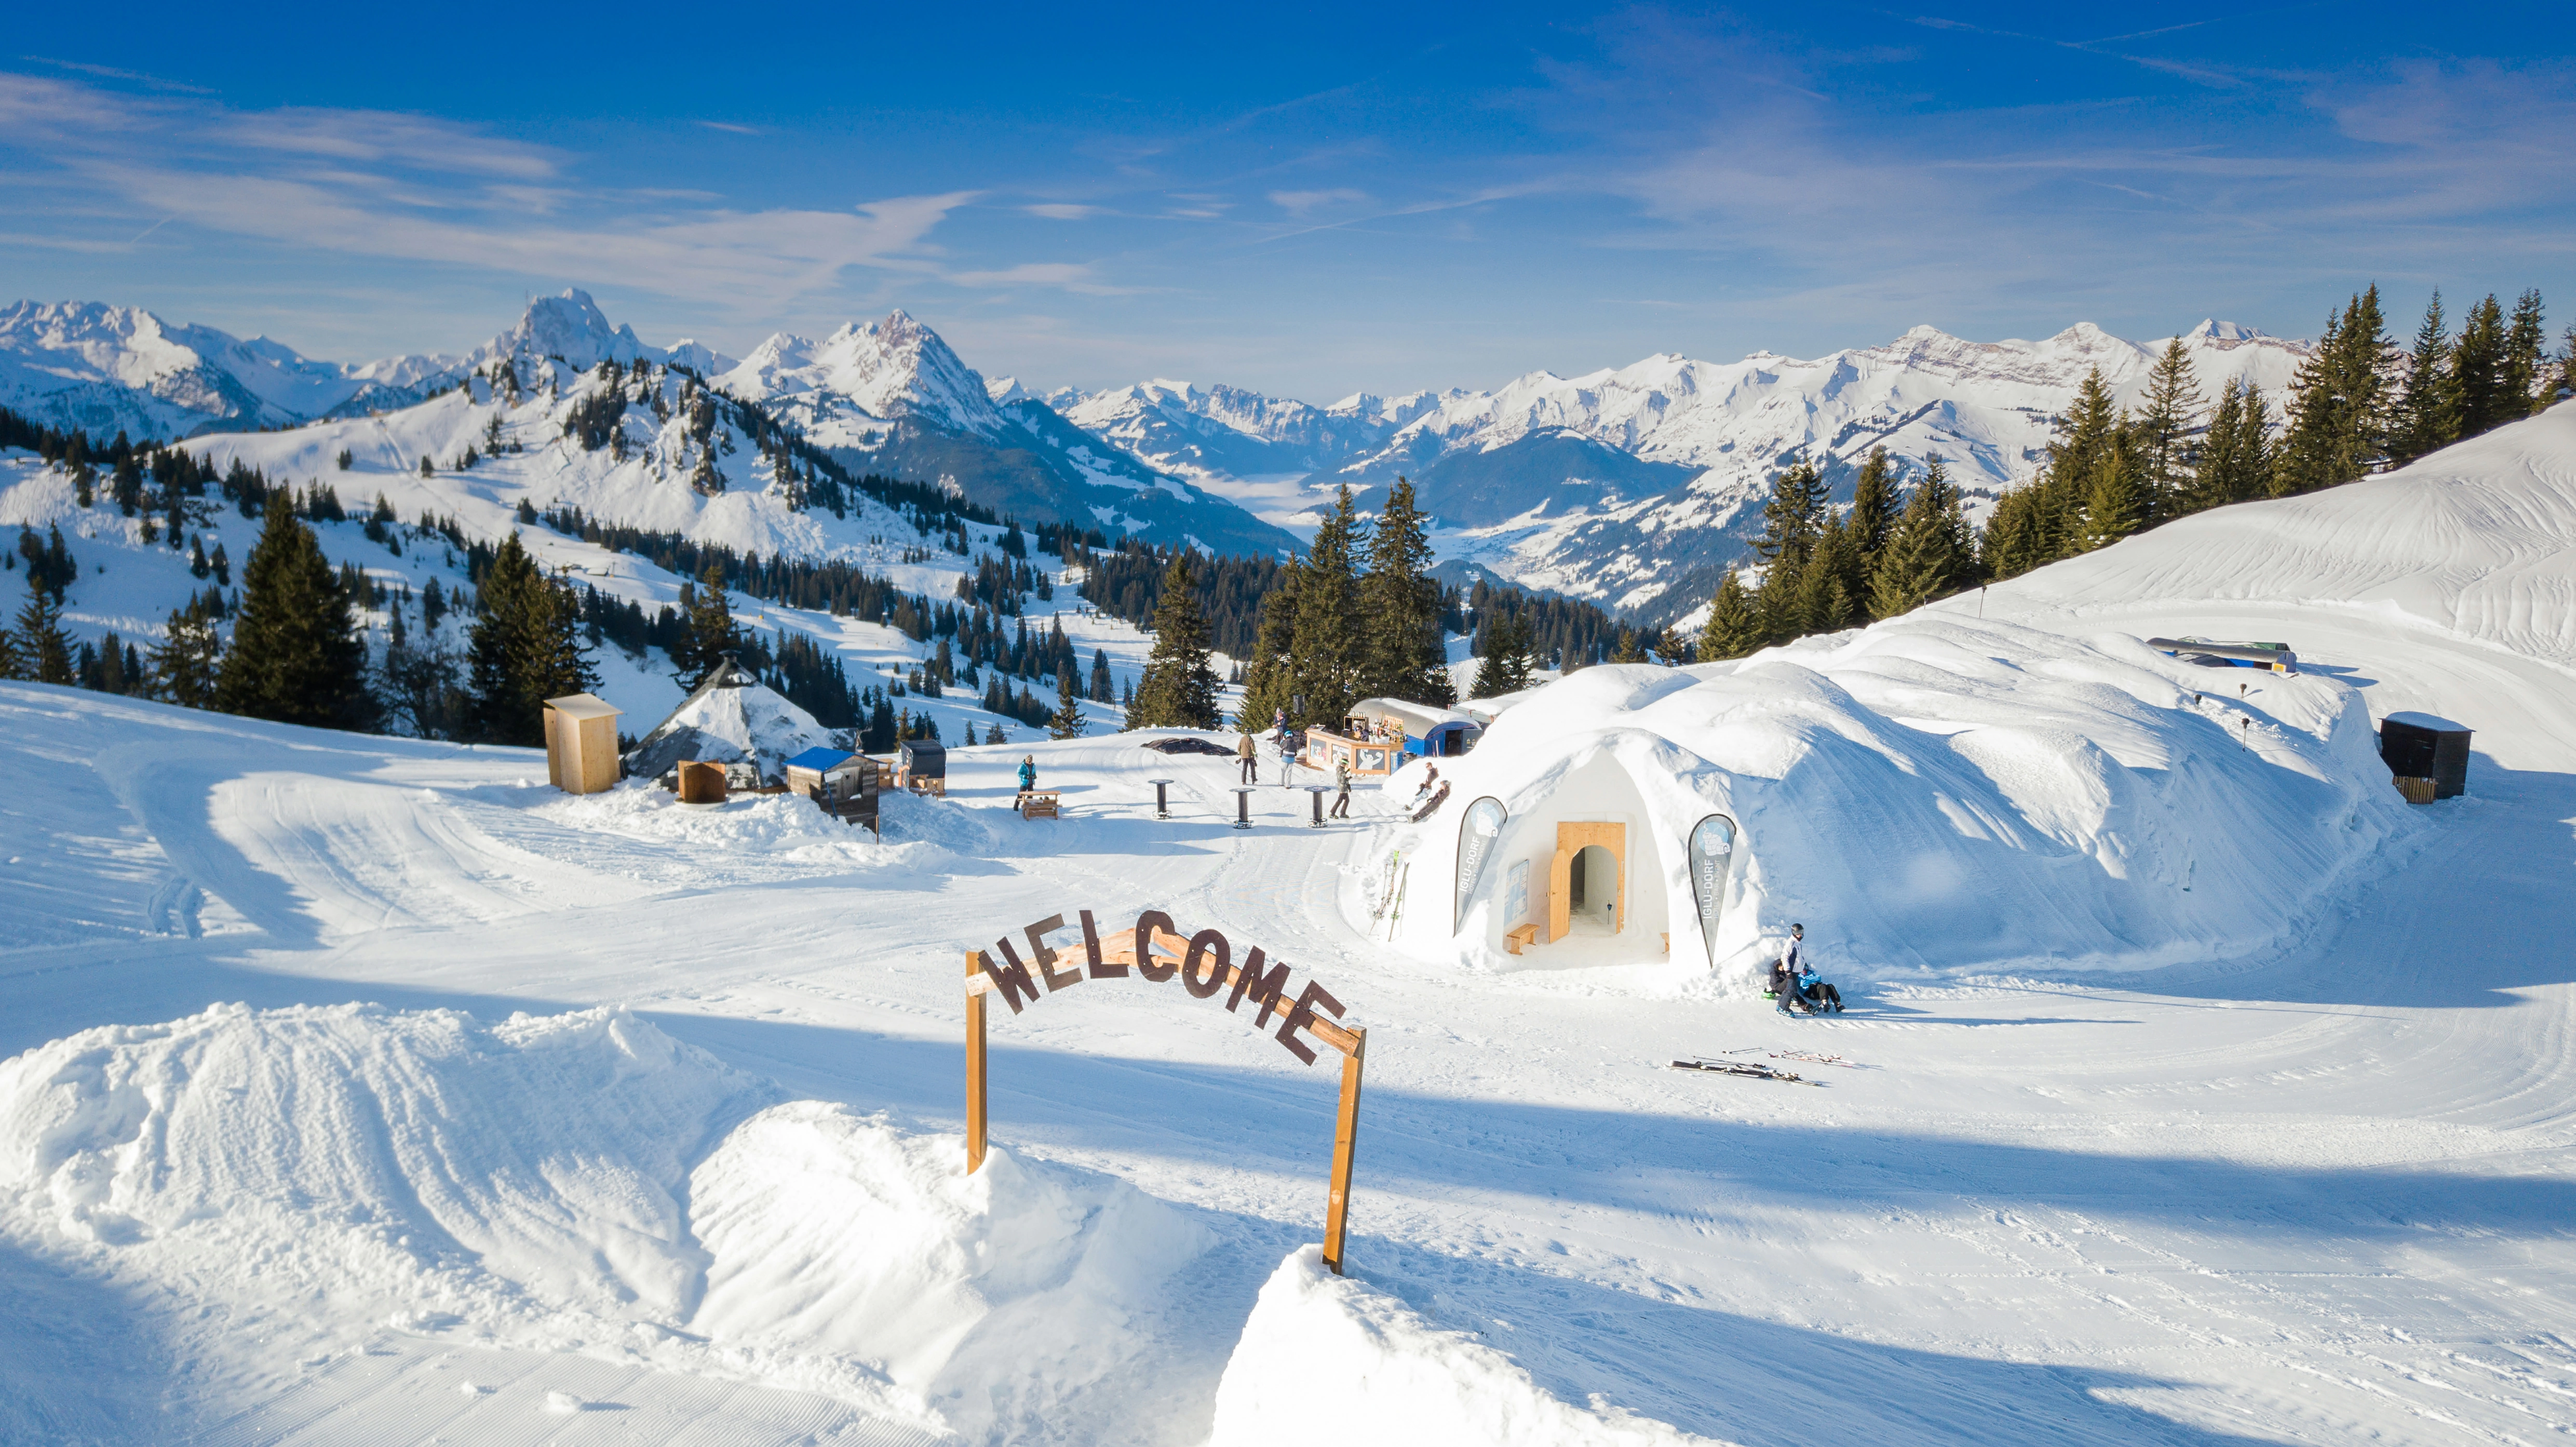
{"x": 1342, "y": 800}
{"x": 1028, "y": 772}
{"x": 1244, "y": 751}
{"x": 1784, "y": 975}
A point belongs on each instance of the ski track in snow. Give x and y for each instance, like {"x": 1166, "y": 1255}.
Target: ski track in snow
{"x": 2324, "y": 1195}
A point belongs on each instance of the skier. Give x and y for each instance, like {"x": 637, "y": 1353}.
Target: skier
{"x": 1430, "y": 781}
{"x": 1287, "y": 756}
{"x": 1785, "y": 973}
{"x": 1243, "y": 750}
{"x": 1028, "y": 772}
{"x": 1342, "y": 800}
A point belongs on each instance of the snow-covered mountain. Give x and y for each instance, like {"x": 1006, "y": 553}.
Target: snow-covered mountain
{"x": 109, "y": 369}
{"x": 1631, "y": 485}
{"x": 891, "y": 396}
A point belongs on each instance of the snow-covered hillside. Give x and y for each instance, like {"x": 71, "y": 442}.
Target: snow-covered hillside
{"x": 363, "y": 1089}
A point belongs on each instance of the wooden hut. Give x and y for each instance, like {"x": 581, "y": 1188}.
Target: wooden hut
{"x": 922, "y": 766}
{"x": 581, "y": 744}
{"x": 845, "y": 784}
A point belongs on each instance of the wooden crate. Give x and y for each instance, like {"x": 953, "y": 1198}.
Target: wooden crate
{"x": 2417, "y": 791}
{"x": 702, "y": 783}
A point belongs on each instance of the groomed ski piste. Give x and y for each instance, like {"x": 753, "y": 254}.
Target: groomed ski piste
{"x": 2200, "y": 1090}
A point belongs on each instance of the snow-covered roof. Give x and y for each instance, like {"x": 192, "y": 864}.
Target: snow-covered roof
{"x": 730, "y": 716}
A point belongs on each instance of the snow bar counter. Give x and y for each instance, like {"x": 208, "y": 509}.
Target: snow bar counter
{"x": 1204, "y": 964}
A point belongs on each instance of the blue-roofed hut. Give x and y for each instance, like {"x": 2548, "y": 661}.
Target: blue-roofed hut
{"x": 844, "y": 783}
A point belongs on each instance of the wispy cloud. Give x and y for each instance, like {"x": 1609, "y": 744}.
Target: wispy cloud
{"x": 733, "y": 128}
{"x": 109, "y": 72}
{"x": 1303, "y": 203}
{"x": 1064, "y": 211}
{"x": 419, "y": 188}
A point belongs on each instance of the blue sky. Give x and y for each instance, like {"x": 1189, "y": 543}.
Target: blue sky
{"x": 1310, "y": 203}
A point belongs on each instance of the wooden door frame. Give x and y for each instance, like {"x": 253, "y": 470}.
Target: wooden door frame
{"x": 1572, "y": 836}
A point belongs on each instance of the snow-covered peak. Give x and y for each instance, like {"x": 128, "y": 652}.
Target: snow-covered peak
{"x": 570, "y": 326}
{"x": 1006, "y": 390}
{"x": 109, "y": 369}
{"x": 2218, "y": 331}
{"x": 894, "y": 367}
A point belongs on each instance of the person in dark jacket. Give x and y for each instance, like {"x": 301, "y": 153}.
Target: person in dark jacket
{"x": 1251, "y": 760}
{"x": 1342, "y": 800}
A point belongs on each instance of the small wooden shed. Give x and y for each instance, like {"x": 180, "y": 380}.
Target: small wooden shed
{"x": 581, "y": 744}
{"x": 2426, "y": 746}
{"x": 845, "y": 784}
{"x": 922, "y": 766}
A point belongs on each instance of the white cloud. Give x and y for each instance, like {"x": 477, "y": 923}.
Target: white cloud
{"x": 1302, "y": 203}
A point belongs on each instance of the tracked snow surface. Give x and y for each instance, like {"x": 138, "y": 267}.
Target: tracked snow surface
{"x": 359, "y": 1090}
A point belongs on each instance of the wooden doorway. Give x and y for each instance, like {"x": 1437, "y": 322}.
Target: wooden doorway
{"x": 1571, "y": 840}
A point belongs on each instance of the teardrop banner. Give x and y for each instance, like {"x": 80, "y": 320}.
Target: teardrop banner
{"x": 1204, "y": 964}
{"x": 1712, "y": 859}
{"x": 1480, "y": 829}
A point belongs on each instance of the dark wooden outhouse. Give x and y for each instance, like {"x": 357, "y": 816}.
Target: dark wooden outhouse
{"x": 845, "y": 784}
{"x": 2426, "y": 746}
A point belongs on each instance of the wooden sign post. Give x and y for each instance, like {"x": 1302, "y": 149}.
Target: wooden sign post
{"x": 1204, "y": 964}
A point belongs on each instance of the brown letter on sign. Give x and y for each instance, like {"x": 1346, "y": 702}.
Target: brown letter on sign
{"x": 1055, "y": 979}
{"x": 1266, "y": 989}
{"x": 1303, "y": 1013}
{"x": 1012, "y": 978}
{"x": 1146, "y": 924}
{"x": 1221, "y": 955}
{"x": 1100, "y": 969}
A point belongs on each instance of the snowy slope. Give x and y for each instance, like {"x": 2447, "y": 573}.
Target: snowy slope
{"x": 2476, "y": 541}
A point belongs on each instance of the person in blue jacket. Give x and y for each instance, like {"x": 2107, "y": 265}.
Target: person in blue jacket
{"x": 1028, "y": 772}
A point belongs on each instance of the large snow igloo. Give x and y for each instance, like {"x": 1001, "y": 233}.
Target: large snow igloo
{"x": 1928, "y": 795}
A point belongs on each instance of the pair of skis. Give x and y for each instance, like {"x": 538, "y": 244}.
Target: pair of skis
{"x": 1812, "y": 1057}
{"x": 1748, "y": 1069}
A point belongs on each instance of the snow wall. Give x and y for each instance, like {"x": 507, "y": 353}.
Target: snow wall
{"x": 1928, "y": 795}
{"x": 578, "y": 1182}
{"x": 1320, "y": 1345}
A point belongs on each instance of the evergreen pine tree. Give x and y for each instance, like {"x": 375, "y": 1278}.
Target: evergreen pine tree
{"x": 1066, "y": 722}
{"x": 1825, "y": 601}
{"x": 1102, "y": 689}
{"x": 1178, "y": 689}
{"x": 2012, "y": 543}
{"x": 1734, "y": 626}
{"x": 1869, "y": 522}
{"x": 2478, "y": 370}
{"x": 1792, "y": 520}
{"x": 44, "y": 651}
{"x": 187, "y": 662}
{"x": 2526, "y": 360}
{"x": 1928, "y": 552}
{"x": 2117, "y": 501}
{"x": 2339, "y": 414}
{"x": 2428, "y": 412}
{"x": 527, "y": 648}
{"x": 2167, "y": 420}
{"x": 1404, "y": 652}
{"x": 707, "y": 631}
{"x": 1270, "y": 678}
{"x": 1326, "y": 650}
{"x": 2057, "y": 501}
{"x": 13, "y": 663}
{"x": 1507, "y": 662}
{"x": 297, "y": 656}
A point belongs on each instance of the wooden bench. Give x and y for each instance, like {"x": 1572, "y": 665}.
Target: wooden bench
{"x": 1519, "y": 935}
{"x": 1040, "y": 804}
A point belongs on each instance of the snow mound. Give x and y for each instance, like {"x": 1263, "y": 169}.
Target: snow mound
{"x": 578, "y": 1181}
{"x": 1930, "y": 795}
{"x": 1320, "y": 1347}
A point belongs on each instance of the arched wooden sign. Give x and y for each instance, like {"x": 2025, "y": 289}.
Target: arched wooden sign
{"x": 1204, "y": 964}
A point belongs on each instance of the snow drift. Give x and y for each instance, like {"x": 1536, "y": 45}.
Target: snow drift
{"x": 1319, "y": 1343}
{"x": 1931, "y": 794}
{"x": 577, "y": 1181}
